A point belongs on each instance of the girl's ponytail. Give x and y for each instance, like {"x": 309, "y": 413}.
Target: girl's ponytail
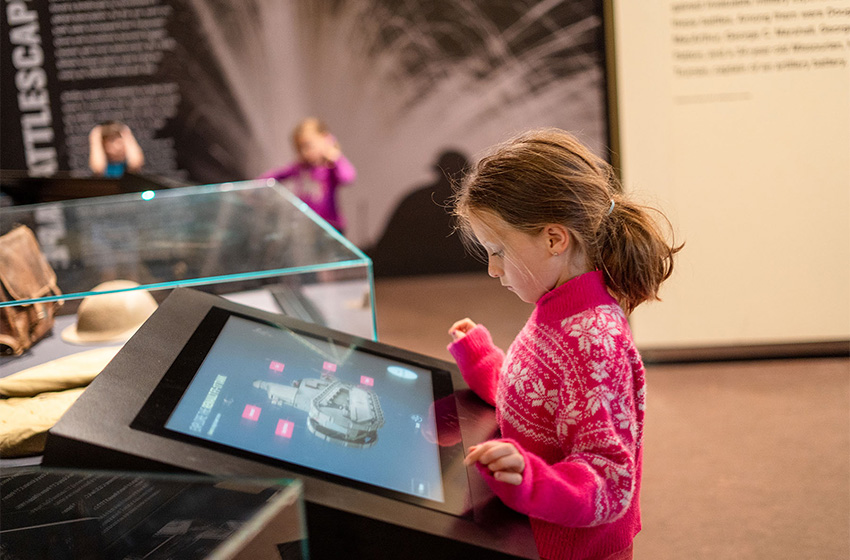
{"x": 547, "y": 176}
{"x": 633, "y": 253}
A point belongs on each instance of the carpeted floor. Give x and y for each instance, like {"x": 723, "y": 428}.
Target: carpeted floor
{"x": 743, "y": 460}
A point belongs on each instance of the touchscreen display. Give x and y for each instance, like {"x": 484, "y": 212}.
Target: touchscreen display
{"x": 317, "y": 403}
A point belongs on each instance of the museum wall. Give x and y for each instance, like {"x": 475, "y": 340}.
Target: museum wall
{"x": 735, "y": 118}
{"x": 212, "y": 90}
{"x": 732, "y": 116}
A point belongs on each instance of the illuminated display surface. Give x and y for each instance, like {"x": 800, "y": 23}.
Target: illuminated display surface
{"x": 315, "y": 403}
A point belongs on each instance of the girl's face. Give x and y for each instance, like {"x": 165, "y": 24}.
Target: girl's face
{"x": 523, "y": 263}
{"x": 114, "y": 148}
{"x": 312, "y": 146}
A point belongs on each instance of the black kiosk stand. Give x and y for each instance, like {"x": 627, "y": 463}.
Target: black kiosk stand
{"x": 375, "y": 434}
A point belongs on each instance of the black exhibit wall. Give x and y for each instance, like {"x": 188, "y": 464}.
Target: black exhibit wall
{"x": 70, "y": 65}
{"x": 212, "y": 90}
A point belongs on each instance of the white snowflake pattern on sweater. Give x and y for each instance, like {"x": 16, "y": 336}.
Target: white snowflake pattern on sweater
{"x": 570, "y": 386}
{"x": 570, "y": 395}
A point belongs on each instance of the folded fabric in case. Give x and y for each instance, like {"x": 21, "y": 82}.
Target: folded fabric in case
{"x": 76, "y": 370}
{"x": 40, "y": 396}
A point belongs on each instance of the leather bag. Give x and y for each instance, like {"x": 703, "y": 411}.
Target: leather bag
{"x": 24, "y": 274}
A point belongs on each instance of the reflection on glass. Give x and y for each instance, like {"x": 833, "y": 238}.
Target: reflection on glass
{"x": 224, "y": 239}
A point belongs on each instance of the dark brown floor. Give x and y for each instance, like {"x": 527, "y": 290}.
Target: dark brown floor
{"x": 743, "y": 460}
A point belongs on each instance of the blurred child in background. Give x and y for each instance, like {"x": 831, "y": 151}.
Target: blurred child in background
{"x": 113, "y": 150}
{"x": 320, "y": 170}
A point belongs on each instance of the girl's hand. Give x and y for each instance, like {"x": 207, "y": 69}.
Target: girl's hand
{"x": 502, "y": 458}
{"x": 134, "y": 155}
{"x": 331, "y": 151}
{"x": 460, "y": 328}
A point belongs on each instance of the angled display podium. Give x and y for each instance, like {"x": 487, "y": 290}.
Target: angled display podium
{"x": 376, "y": 434}
{"x": 253, "y": 242}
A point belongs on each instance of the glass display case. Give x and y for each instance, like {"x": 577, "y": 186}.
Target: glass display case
{"x": 253, "y": 242}
{"x": 62, "y": 513}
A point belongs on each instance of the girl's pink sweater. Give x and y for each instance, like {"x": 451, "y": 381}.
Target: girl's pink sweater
{"x": 570, "y": 395}
{"x": 329, "y": 178}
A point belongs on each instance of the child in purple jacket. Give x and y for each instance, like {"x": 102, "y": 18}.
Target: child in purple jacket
{"x": 320, "y": 170}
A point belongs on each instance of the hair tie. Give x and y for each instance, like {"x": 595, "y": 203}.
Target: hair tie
{"x": 610, "y": 208}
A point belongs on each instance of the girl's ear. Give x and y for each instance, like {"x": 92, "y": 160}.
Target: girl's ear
{"x": 557, "y": 238}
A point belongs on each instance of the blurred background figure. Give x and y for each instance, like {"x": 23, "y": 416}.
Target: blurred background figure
{"x": 320, "y": 170}
{"x": 113, "y": 150}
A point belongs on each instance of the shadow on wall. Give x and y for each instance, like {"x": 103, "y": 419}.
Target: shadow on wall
{"x": 419, "y": 237}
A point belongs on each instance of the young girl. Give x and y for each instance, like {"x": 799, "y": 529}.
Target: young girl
{"x": 320, "y": 170}
{"x": 569, "y": 394}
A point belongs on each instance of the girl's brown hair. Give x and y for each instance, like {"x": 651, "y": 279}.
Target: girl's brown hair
{"x": 548, "y": 177}
{"x": 311, "y": 124}
{"x": 110, "y": 129}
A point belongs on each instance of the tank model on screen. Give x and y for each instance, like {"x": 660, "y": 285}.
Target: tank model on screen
{"x": 338, "y": 412}
{"x": 315, "y": 403}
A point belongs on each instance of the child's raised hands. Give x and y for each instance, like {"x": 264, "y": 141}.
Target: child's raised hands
{"x": 330, "y": 150}
{"x": 460, "y": 328}
{"x": 501, "y": 457}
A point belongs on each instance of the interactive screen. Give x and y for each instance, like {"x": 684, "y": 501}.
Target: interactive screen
{"x": 319, "y": 405}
